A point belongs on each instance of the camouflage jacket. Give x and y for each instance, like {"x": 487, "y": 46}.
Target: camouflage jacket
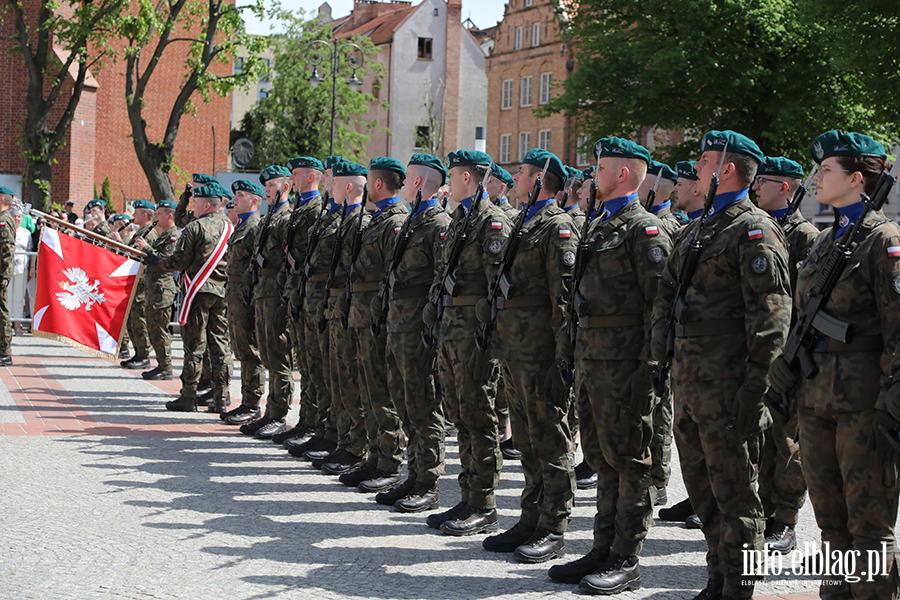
{"x": 196, "y": 244}
{"x": 540, "y": 277}
{"x": 800, "y": 235}
{"x": 161, "y": 285}
{"x": 867, "y": 296}
{"x": 297, "y": 239}
{"x": 103, "y": 229}
{"x": 7, "y": 243}
{"x": 237, "y": 258}
{"x": 344, "y": 240}
{"x": 671, "y": 221}
{"x": 270, "y": 284}
{"x": 626, "y": 257}
{"x": 508, "y": 209}
{"x": 578, "y": 217}
{"x": 374, "y": 254}
{"x": 415, "y": 272}
{"x": 740, "y": 291}
{"x": 477, "y": 265}
{"x": 320, "y": 261}
{"x": 182, "y": 215}
{"x": 141, "y": 292}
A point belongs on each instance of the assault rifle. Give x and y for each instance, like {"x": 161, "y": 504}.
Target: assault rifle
{"x": 500, "y": 286}
{"x": 288, "y": 264}
{"x": 311, "y": 244}
{"x": 570, "y": 183}
{"x": 335, "y": 259}
{"x": 686, "y": 271}
{"x": 257, "y": 259}
{"x": 798, "y": 198}
{"x": 651, "y": 195}
{"x": 354, "y": 252}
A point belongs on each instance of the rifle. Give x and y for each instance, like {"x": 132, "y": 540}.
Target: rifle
{"x": 814, "y": 324}
{"x": 354, "y": 252}
{"x": 257, "y": 259}
{"x": 500, "y": 284}
{"x": 333, "y": 263}
{"x": 390, "y": 276}
{"x": 651, "y": 195}
{"x": 570, "y": 183}
{"x": 311, "y": 244}
{"x": 288, "y": 263}
{"x": 798, "y": 198}
{"x": 446, "y": 282}
{"x": 659, "y": 379}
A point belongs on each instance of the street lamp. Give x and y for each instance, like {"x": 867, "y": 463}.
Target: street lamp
{"x": 317, "y": 52}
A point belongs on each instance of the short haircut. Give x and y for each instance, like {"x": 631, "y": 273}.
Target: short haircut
{"x": 745, "y": 167}
{"x": 870, "y": 167}
{"x": 393, "y": 180}
{"x": 552, "y": 183}
{"x": 215, "y": 201}
{"x": 476, "y": 171}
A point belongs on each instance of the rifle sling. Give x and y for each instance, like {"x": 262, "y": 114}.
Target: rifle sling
{"x": 860, "y": 343}
{"x": 607, "y": 321}
{"x": 704, "y": 328}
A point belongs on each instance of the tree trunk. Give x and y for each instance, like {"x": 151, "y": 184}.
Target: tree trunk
{"x": 39, "y": 171}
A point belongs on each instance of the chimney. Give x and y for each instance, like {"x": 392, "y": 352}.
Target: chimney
{"x": 325, "y": 13}
{"x": 451, "y": 76}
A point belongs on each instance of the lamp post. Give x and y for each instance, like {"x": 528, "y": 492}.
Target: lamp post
{"x": 317, "y": 52}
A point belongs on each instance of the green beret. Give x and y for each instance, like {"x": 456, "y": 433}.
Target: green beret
{"x": 203, "y": 179}
{"x": 572, "y": 172}
{"x": 305, "y": 162}
{"x": 123, "y": 217}
{"x": 143, "y": 204}
{"x": 714, "y": 141}
{"x": 780, "y": 166}
{"x": 383, "y": 163}
{"x": 242, "y": 185}
{"x": 621, "y": 148}
{"x": 838, "y": 143}
{"x": 464, "y": 158}
{"x": 6, "y": 190}
{"x": 273, "y": 172}
{"x": 230, "y": 204}
{"x": 502, "y": 174}
{"x": 538, "y": 157}
{"x": 171, "y": 205}
{"x": 685, "y": 170}
{"x": 588, "y": 173}
{"x": 428, "y": 160}
{"x": 668, "y": 172}
{"x": 345, "y": 168}
{"x": 204, "y": 191}
{"x": 225, "y": 192}
{"x": 332, "y": 160}
{"x": 96, "y": 202}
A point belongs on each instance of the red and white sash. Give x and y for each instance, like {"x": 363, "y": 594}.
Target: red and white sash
{"x": 192, "y": 286}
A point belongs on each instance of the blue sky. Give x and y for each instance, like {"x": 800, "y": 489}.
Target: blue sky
{"x": 484, "y": 13}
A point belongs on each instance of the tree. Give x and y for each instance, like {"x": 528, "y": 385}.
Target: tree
{"x": 106, "y": 195}
{"x": 754, "y": 66}
{"x": 430, "y": 133}
{"x": 207, "y": 33}
{"x": 80, "y": 32}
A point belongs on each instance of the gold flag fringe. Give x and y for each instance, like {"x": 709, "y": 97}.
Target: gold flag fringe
{"x": 86, "y": 349}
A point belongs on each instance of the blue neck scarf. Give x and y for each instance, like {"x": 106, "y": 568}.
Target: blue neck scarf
{"x": 467, "y": 202}
{"x": 537, "y": 207}
{"x": 424, "y": 205}
{"x": 280, "y": 204}
{"x": 847, "y": 216}
{"x": 659, "y": 207}
{"x": 244, "y": 216}
{"x": 333, "y": 207}
{"x": 383, "y": 204}
{"x": 571, "y": 208}
{"x": 778, "y": 213}
{"x": 726, "y": 199}
{"x": 616, "y": 204}
{"x": 305, "y": 197}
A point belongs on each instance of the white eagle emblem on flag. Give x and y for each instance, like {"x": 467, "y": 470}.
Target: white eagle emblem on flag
{"x": 79, "y": 291}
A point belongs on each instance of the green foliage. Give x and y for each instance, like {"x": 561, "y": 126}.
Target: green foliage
{"x": 106, "y": 195}
{"x": 95, "y": 192}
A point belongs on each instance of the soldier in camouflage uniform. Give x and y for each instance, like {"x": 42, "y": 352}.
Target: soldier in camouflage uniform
{"x": 782, "y": 488}
{"x": 468, "y": 397}
{"x": 121, "y": 229}
{"x": 206, "y": 324}
{"x": 240, "y": 314}
{"x": 97, "y": 223}
{"x": 846, "y": 408}
{"x": 628, "y": 248}
{"x": 413, "y": 390}
{"x": 688, "y": 200}
{"x": 525, "y": 343}
{"x": 144, "y": 215}
{"x": 730, "y": 323}
{"x": 7, "y": 250}
{"x": 662, "y": 205}
{"x": 161, "y": 291}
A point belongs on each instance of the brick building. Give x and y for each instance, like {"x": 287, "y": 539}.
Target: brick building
{"x": 98, "y": 144}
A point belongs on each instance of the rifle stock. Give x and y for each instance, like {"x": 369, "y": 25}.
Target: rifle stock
{"x": 354, "y": 253}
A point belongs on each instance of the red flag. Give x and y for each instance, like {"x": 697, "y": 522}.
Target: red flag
{"x": 83, "y": 294}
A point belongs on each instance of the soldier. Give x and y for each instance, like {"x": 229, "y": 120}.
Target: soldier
{"x": 782, "y": 488}
{"x": 161, "y": 291}
{"x": 272, "y": 336}
{"x": 613, "y": 367}
{"x": 240, "y": 314}
{"x": 728, "y": 324}
{"x": 846, "y": 408}
{"x": 199, "y": 255}
{"x": 498, "y": 188}
{"x": 415, "y": 399}
{"x": 121, "y": 229}
{"x": 231, "y": 212}
{"x": 525, "y": 343}
{"x": 688, "y": 199}
{"x": 182, "y": 215}
{"x": 144, "y": 215}
{"x": 97, "y": 221}
{"x": 662, "y": 204}
{"x": 7, "y": 250}
{"x": 468, "y": 400}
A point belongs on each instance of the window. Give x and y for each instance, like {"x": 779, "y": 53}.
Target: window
{"x": 263, "y": 94}
{"x": 544, "y": 139}
{"x": 505, "y": 147}
{"x": 525, "y": 92}
{"x": 517, "y": 44}
{"x": 437, "y": 12}
{"x": 535, "y": 35}
{"x": 529, "y": 3}
{"x": 581, "y": 158}
{"x": 238, "y": 65}
{"x": 422, "y": 135}
{"x": 264, "y": 76}
{"x": 546, "y": 81}
{"x": 424, "y": 47}
{"x": 506, "y": 99}
{"x": 524, "y": 145}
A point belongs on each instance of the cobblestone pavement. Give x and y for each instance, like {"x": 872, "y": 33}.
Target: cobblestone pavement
{"x": 106, "y": 495}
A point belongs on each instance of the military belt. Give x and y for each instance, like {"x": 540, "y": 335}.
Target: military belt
{"x": 318, "y": 277}
{"x": 721, "y": 327}
{"x": 606, "y": 321}
{"x": 860, "y": 343}
{"x": 235, "y": 278}
{"x": 461, "y": 300}
{"x": 367, "y": 287}
{"x": 154, "y": 270}
{"x": 269, "y": 272}
{"x": 523, "y": 302}
{"x": 415, "y": 291}
{"x": 334, "y": 292}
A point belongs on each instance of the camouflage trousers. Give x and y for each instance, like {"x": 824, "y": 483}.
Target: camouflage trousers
{"x": 347, "y": 407}
{"x": 383, "y": 428}
{"x": 417, "y": 407}
{"x": 206, "y": 327}
{"x": 158, "y": 320}
{"x": 469, "y": 404}
{"x": 854, "y": 498}
{"x": 308, "y": 393}
{"x": 621, "y": 455}
{"x": 500, "y": 403}
{"x": 275, "y": 354}
{"x": 661, "y": 444}
{"x": 137, "y": 329}
{"x": 782, "y": 487}
{"x": 6, "y": 331}
{"x": 243, "y": 340}
{"x": 317, "y": 353}
{"x": 720, "y": 473}
{"x": 541, "y": 433}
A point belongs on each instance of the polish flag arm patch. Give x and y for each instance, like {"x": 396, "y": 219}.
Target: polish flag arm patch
{"x": 755, "y": 234}
{"x": 652, "y": 230}
{"x": 496, "y": 225}
{"x": 565, "y": 233}
{"x": 397, "y": 229}
{"x": 893, "y": 251}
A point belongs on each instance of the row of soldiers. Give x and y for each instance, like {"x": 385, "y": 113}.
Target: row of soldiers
{"x": 397, "y": 312}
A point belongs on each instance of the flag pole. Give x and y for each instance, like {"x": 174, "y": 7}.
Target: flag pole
{"x": 133, "y": 252}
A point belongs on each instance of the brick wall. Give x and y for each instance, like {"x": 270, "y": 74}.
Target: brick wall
{"x": 451, "y": 76}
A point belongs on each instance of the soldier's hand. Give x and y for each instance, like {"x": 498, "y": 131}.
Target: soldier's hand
{"x": 479, "y": 365}
{"x": 892, "y": 401}
{"x": 885, "y": 452}
{"x": 658, "y": 346}
{"x": 564, "y": 346}
{"x": 554, "y": 388}
{"x": 343, "y": 303}
{"x": 748, "y": 409}
{"x": 640, "y": 391}
{"x": 483, "y": 311}
{"x": 782, "y": 377}
{"x": 427, "y": 362}
{"x": 151, "y": 259}
{"x": 377, "y": 308}
{"x": 429, "y": 314}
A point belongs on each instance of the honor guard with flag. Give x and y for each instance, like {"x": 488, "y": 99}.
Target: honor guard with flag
{"x": 144, "y": 215}
{"x": 7, "y": 250}
{"x": 199, "y": 256}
